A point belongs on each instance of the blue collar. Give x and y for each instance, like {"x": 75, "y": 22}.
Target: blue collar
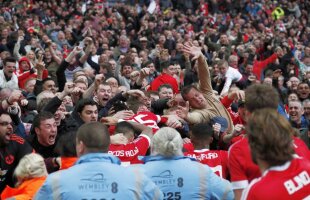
{"x": 98, "y": 157}
{"x": 146, "y": 159}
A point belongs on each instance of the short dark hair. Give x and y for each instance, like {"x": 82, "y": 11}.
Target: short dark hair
{"x": 303, "y": 83}
{"x": 186, "y": 90}
{"x": 270, "y": 137}
{"x": 202, "y": 131}
{"x": 96, "y": 140}
{"x": 2, "y": 112}
{"x": 47, "y": 79}
{"x": 168, "y": 86}
{"x": 149, "y": 93}
{"x": 164, "y": 65}
{"x": 260, "y": 96}
{"x": 84, "y": 102}
{"x": 66, "y": 145}
{"x": 124, "y": 127}
{"x": 41, "y": 117}
{"x": 8, "y": 59}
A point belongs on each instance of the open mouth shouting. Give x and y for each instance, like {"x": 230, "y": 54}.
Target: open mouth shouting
{"x": 52, "y": 139}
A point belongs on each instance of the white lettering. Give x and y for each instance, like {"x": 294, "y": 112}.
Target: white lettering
{"x": 297, "y": 183}
{"x": 117, "y": 153}
{"x": 204, "y": 156}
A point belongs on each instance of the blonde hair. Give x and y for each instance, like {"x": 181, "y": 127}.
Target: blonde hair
{"x": 167, "y": 142}
{"x": 30, "y": 166}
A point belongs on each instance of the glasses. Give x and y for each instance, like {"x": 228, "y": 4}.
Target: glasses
{"x": 6, "y": 123}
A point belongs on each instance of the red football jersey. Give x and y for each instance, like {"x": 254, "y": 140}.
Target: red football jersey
{"x": 188, "y": 147}
{"x": 288, "y": 181}
{"x": 147, "y": 118}
{"x": 130, "y": 152}
{"x": 241, "y": 167}
{"x": 217, "y": 160}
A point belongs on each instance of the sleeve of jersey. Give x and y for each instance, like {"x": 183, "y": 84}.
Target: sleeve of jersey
{"x": 250, "y": 192}
{"x": 224, "y": 156}
{"x": 236, "y": 170}
{"x": 161, "y": 119}
{"x": 143, "y": 143}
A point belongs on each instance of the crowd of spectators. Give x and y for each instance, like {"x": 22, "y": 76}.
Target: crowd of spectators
{"x": 199, "y": 67}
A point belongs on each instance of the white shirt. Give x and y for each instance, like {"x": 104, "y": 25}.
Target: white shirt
{"x": 12, "y": 84}
{"x": 232, "y": 75}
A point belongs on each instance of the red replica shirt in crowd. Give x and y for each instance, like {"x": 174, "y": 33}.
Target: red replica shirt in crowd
{"x": 149, "y": 119}
{"x": 217, "y": 160}
{"x": 130, "y": 152}
{"x": 241, "y": 167}
{"x": 288, "y": 181}
{"x": 165, "y": 79}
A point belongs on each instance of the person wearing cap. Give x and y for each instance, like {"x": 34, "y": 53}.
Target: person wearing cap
{"x": 284, "y": 175}
{"x": 178, "y": 176}
{"x": 143, "y": 43}
{"x": 96, "y": 174}
{"x": 201, "y": 137}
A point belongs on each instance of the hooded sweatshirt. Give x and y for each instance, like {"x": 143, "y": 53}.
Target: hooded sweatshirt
{"x": 23, "y": 76}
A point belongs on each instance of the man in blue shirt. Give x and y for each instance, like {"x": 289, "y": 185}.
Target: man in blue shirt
{"x": 181, "y": 177}
{"x": 97, "y": 175}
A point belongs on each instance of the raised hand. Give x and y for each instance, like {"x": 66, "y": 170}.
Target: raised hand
{"x": 77, "y": 50}
{"x": 144, "y": 72}
{"x": 123, "y": 114}
{"x": 236, "y": 95}
{"x": 99, "y": 78}
{"x": 40, "y": 65}
{"x": 14, "y": 97}
{"x": 216, "y": 130}
{"x": 173, "y": 122}
{"x": 192, "y": 50}
{"x": 69, "y": 87}
{"x": 182, "y": 112}
{"x": 136, "y": 93}
{"x": 237, "y": 129}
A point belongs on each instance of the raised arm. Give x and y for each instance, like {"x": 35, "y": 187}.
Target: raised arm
{"x": 17, "y": 48}
{"x": 53, "y": 53}
{"x": 203, "y": 69}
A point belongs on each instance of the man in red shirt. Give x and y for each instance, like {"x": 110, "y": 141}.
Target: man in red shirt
{"x": 166, "y": 77}
{"x": 284, "y": 175}
{"x": 241, "y": 167}
{"x": 128, "y": 153}
{"x": 217, "y": 160}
